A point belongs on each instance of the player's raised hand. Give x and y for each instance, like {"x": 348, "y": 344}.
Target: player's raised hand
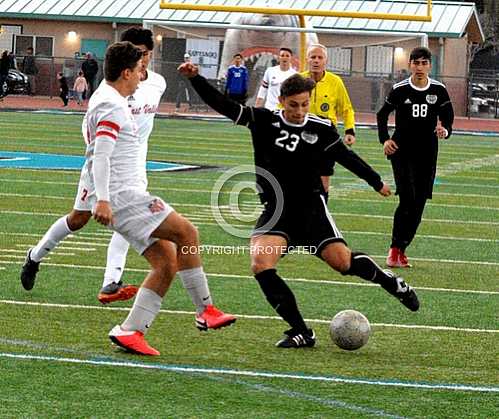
{"x": 103, "y": 213}
{"x": 385, "y": 190}
{"x": 390, "y": 147}
{"x": 188, "y": 69}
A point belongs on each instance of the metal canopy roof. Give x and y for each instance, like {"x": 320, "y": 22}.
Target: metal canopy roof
{"x": 449, "y": 19}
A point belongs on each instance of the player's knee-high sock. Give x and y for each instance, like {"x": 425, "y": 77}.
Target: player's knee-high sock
{"x": 145, "y": 309}
{"x": 196, "y": 284}
{"x": 281, "y": 298}
{"x": 363, "y": 266}
{"x": 116, "y": 258}
{"x": 57, "y": 232}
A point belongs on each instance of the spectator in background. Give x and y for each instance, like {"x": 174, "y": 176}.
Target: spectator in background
{"x": 63, "y": 88}
{"x": 4, "y": 72}
{"x": 79, "y": 87}
{"x": 90, "y": 68}
{"x": 30, "y": 69}
{"x": 270, "y": 89}
{"x": 12, "y": 60}
{"x": 184, "y": 88}
{"x": 236, "y": 86}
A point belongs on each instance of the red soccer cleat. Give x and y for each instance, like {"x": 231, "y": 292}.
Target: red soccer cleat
{"x": 131, "y": 341}
{"x": 404, "y": 261}
{"x": 213, "y": 318}
{"x": 392, "y": 260}
{"x": 397, "y": 259}
{"x": 117, "y": 292}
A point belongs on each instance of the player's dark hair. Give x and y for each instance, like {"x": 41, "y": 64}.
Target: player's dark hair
{"x": 286, "y": 49}
{"x": 296, "y": 84}
{"x": 237, "y": 55}
{"x": 120, "y": 56}
{"x": 139, "y": 36}
{"x": 420, "y": 52}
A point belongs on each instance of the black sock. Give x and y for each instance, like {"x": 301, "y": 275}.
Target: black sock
{"x": 281, "y": 298}
{"x": 363, "y": 266}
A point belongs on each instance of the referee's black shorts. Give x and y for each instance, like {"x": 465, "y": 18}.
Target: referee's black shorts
{"x": 308, "y": 224}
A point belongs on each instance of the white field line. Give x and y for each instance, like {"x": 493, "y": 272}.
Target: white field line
{"x": 245, "y": 277}
{"x": 468, "y": 195}
{"x": 105, "y": 238}
{"x": 339, "y": 196}
{"x": 237, "y": 250}
{"x": 457, "y": 167}
{"x": 346, "y": 214}
{"x": 65, "y": 246}
{"x": 23, "y": 252}
{"x": 249, "y": 373}
{"x": 18, "y": 257}
{"x": 176, "y": 179}
{"x": 247, "y": 316}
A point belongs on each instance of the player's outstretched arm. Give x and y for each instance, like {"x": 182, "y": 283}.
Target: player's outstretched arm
{"x": 355, "y": 164}
{"x": 209, "y": 94}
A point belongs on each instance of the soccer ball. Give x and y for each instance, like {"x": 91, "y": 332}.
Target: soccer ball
{"x": 350, "y": 330}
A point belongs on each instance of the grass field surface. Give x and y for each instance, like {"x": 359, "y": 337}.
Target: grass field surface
{"x": 441, "y": 362}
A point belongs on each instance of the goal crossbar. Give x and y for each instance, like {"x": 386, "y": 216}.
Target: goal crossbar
{"x": 298, "y": 12}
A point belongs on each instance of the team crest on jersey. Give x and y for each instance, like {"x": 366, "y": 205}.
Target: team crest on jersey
{"x": 431, "y": 99}
{"x": 156, "y": 206}
{"x": 325, "y": 107}
{"x": 309, "y": 137}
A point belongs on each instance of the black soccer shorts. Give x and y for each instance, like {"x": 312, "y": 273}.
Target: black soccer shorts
{"x": 308, "y": 224}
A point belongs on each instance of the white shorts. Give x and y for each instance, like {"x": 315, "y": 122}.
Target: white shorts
{"x": 136, "y": 215}
{"x": 83, "y": 201}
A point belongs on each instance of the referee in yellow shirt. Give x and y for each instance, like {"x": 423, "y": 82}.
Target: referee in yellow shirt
{"x": 330, "y": 97}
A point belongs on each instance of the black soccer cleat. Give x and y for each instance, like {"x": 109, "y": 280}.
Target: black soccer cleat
{"x": 292, "y": 339}
{"x": 404, "y": 293}
{"x": 28, "y": 272}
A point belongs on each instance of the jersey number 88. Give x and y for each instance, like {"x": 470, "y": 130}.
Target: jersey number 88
{"x": 419, "y": 110}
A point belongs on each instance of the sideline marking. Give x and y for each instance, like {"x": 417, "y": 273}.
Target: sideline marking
{"x": 249, "y": 373}
{"x": 21, "y": 160}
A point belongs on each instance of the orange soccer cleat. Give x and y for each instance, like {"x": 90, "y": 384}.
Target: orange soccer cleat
{"x": 116, "y": 292}
{"x": 131, "y": 341}
{"x": 213, "y": 318}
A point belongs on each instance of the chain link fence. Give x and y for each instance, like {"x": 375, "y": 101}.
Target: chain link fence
{"x": 476, "y": 96}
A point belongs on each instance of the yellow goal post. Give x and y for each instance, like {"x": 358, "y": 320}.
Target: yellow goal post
{"x": 301, "y": 13}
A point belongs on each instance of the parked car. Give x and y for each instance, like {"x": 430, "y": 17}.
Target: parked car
{"x": 17, "y": 82}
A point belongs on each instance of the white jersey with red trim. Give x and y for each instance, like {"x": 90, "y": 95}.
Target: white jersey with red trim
{"x": 109, "y": 118}
{"x": 144, "y": 104}
{"x": 271, "y": 85}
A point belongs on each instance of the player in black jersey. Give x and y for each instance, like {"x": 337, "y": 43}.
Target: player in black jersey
{"x": 419, "y": 103}
{"x": 294, "y": 146}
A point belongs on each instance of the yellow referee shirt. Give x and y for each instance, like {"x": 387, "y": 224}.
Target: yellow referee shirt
{"x": 330, "y": 98}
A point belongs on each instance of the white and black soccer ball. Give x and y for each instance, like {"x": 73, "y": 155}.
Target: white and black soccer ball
{"x": 350, "y": 330}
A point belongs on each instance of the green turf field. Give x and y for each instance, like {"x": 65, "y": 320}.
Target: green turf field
{"x": 56, "y": 359}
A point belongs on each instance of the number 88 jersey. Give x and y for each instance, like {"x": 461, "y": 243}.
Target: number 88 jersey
{"x": 417, "y": 110}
